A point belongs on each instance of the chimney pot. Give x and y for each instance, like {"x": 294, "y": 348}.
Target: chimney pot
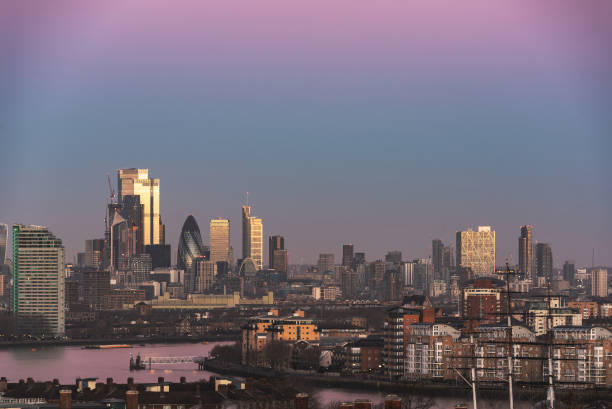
{"x": 131, "y": 399}
{"x": 65, "y": 396}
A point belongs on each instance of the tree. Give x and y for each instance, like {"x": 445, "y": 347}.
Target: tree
{"x": 277, "y": 354}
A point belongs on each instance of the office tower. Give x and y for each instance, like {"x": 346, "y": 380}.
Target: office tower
{"x": 476, "y": 250}
{"x": 252, "y": 237}
{"x": 359, "y": 258}
{"x": 219, "y": 240}
{"x": 160, "y": 255}
{"x": 544, "y": 260}
{"x": 448, "y": 257}
{"x": 136, "y": 182}
{"x": 437, "y": 253}
{"x": 3, "y": 240}
{"x": 348, "y": 283}
{"x": 569, "y": 270}
{"x": 206, "y": 271}
{"x": 326, "y": 262}
{"x": 190, "y": 245}
{"x": 93, "y": 252}
{"x": 407, "y": 272}
{"x": 38, "y": 281}
{"x": 394, "y": 257}
{"x": 525, "y": 252}
{"x": 140, "y": 267}
{"x": 81, "y": 260}
{"x": 347, "y": 255}
{"x": 599, "y": 282}
{"x": 422, "y": 274}
{"x": 96, "y": 285}
{"x": 281, "y": 260}
{"x": 274, "y": 243}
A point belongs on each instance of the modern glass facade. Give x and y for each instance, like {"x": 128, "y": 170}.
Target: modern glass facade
{"x": 219, "y": 240}
{"x": 190, "y": 244}
{"x": 38, "y": 281}
{"x": 136, "y": 182}
{"x": 3, "y": 241}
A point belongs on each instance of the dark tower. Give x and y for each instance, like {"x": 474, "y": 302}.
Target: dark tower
{"x": 525, "y": 252}
{"x": 347, "y": 255}
{"x": 190, "y": 244}
{"x": 274, "y": 243}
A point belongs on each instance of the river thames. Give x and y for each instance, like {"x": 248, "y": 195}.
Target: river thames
{"x": 66, "y": 363}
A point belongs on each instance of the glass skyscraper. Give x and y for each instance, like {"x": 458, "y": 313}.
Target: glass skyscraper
{"x": 38, "y": 281}
{"x": 136, "y": 182}
{"x": 3, "y": 240}
{"x": 252, "y": 237}
{"x": 219, "y": 240}
{"x": 190, "y": 244}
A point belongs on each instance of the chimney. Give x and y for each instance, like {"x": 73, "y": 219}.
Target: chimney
{"x": 65, "y": 399}
{"x": 183, "y": 379}
{"x": 301, "y": 401}
{"x": 130, "y": 382}
{"x": 160, "y": 379}
{"x": 30, "y": 381}
{"x": 55, "y": 382}
{"x": 393, "y": 402}
{"x": 131, "y": 400}
{"x": 109, "y": 381}
{"x": 363, "y": 404}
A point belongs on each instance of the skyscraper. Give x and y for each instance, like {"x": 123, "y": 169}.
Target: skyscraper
{"x": 525, "y": 252}
{"x": 274, "y": 243}
{"x": 136, "y": 182}
{"x": 347, "y": 255}
{"x": 569, "y": 270}
{"x": 599, "y": 282}
{"x": 326, "y": 262}
{"x": 544, "y": 260}
{"x": 252, "y": 237}
{"x": 190, "y": 245}
{"x": 38, "y": 281}
{"x": 3, "y": 240}
{"x": 281, "y": 260}
{"x": 93, "y": 252}
{"x": 476, "y": 250}
{"x": 437, "y": 254}
{"x": 219, "y": 240}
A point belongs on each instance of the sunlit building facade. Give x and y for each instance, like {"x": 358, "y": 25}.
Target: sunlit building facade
{"x": 38, "y": 281}
{"x": 219, "y": 240}
{"x": 252, "y": 237}
{"x": 476, "y": 250}
{"x": 136, "y": 182}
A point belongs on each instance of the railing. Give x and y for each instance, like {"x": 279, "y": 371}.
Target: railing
{"x": 159, "y": 360}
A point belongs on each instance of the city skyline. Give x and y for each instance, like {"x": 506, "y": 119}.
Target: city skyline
{"x": 449, "y": 239}
{"x": 376, "y": 128}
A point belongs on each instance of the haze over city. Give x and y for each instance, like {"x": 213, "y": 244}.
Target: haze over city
{"x": 385, "y": 125}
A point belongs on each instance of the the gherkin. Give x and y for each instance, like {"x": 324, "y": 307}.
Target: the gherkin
{"x": 190, "y": 244}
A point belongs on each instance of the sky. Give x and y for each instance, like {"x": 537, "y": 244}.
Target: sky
{"x": 384, "y": 124}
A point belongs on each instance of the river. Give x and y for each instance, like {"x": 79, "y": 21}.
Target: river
{"x": 66, "y": 363}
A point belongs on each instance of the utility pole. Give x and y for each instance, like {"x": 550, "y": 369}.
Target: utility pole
{"x": 510, "y": 345}
{"x": 550, "y": 396}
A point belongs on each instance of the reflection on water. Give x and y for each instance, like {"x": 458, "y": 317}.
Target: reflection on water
{"x": 40, "y": 353}
{"x": 68, "y": 363}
